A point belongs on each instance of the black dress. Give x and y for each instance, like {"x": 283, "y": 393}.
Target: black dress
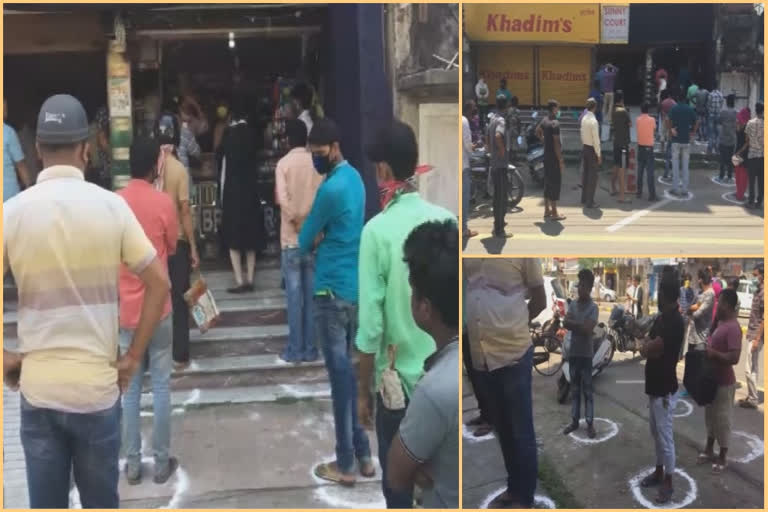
{"x": 242, "y": 214}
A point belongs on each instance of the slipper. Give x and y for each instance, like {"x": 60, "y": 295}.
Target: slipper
{"x": 558, "y": 218}
{"x": 329, "y": 471}
{"x": 482, "y": 430}
{"x": 705, "y": 458}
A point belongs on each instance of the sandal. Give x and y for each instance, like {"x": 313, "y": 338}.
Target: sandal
{"x": 367, "y": 469}
{"x": 705, "y": 458}
{"x": 330, "y": 471}
{"x": 503, "y": 500}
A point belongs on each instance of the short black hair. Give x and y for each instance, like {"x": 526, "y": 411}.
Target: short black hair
{"x": 730, "y": 100}
{"x": 431, "y": 252}
{"x": 587, "y": 276}
{"x": 645, "y": 107}
{"x": 620, "y": 96}
{"x": 729, "y": 297}
{"x": 759, "y": 108}
{"x": 296, "y": 131}
{"x": 324, "y": 132}
{"x": 469, "y": 106}
{"x": 734, "y": 283}
{"x": 638, "y": 278}
{"x": 51, "y": 149}
{"x": 552, "y": 105}
{"x": 303, "y": 94}
{"x": 501, "y": 102}
{"x": 705, "y": 276}
{"x": 144, "y": 153}
{"x": 669, "y": 284}
{"x": 395, "y": 145}
{"x": 503, "y": 82}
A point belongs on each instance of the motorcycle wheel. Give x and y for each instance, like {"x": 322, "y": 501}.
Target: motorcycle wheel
{"x": 563, "y": 390}
{"x": 543, "y": 363}
{"x": 611, "y": 351}
{"x": 516, "y": 189}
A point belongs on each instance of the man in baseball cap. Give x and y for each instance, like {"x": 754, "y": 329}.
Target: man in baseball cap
{"x": 65, "y": 240}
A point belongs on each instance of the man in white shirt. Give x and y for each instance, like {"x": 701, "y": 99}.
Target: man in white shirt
{"x": 302, "y": 96}
{"x": 590, "y": 139}
{"x": 470, "y": 109}
{"x": 483, "y": 93}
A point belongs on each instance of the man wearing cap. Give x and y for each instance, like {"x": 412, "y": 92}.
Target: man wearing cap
{"x": 388, "y": 336}
{"x": 64, "y": 241}
{"x": 590, "y": 140}
{"x": 337, "y": 214}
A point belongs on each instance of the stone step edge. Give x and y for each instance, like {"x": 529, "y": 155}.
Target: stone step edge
{"x": 229, "y": 364}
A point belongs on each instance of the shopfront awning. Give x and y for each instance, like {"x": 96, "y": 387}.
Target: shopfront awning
{"x": 174, "y": 34}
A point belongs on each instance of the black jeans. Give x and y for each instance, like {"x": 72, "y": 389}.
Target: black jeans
{"x": 482, "y": 401}
{"x": 179, "y": 268}
{"x": 387, "y": 426}
{"x": 645, "y": 166}
{"x": 726, "y": 164}
{"x": 499, "y": 199}
{"x": 756, "y": 180}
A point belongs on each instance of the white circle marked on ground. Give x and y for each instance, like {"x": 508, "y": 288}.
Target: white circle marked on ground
{"x": 337, "y": 496}
{"x": 690, "y": 495}
{"x": 470, "y": 436}
{"x": 713, "y": 179}
{"x": 539, "y": 500}
{"x": 755, "y": 446}
{"x": 669, "y": 195}
{"x": 687, "y": 409}
{"x": 605, "y": 428}
{"x": 731, "y": 198}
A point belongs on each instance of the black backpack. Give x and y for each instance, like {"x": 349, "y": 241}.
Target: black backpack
{"x": 699, "y": 378}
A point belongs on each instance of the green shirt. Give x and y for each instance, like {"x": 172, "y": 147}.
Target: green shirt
{"x": 385, "y": 296}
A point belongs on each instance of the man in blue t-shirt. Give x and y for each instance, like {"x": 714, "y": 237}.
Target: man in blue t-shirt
{"x": 682, "y": 123}
{"x": 15, "y": 171}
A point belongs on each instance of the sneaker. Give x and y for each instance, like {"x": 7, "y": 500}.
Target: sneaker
{"x": 133, "y": 473}
{"x": 573, "y": 427}
{"x": 165, "y": 473}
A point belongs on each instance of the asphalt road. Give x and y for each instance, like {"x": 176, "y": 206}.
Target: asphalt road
{"x": 709, "y": 222}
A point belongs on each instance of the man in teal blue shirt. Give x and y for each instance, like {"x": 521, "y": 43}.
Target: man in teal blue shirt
{"x": 385, "y": 318}
{"x": 337, "y": 217}
{"x": 14, "y": 167}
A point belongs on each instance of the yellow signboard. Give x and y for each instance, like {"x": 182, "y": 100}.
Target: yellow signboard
{"x": 515, "y": 64}
{"x": 564, "y": 74}
{"x": 553, "y": 23}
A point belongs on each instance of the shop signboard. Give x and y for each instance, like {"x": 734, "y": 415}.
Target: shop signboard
{"x": 614, "y": 23}
{"x": 564, "y": 73}
{"x": 543, "y": 23}
{"x": 516, "y": 66}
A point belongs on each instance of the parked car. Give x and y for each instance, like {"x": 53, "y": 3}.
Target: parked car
{"x": 600, "y": 292}
{"x": 747, "y": 289}
{"x": 556, "y": 299}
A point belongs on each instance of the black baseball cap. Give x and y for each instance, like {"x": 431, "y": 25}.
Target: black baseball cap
{"x": 62, "y": 120}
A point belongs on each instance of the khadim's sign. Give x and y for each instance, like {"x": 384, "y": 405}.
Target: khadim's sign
{"x": 557, "y": 23}
{"x": 515, "y": 65}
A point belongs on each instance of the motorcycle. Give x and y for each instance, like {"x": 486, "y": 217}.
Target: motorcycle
{"x": 603, "y": 354}
{"x": 547, "y": 342}
{"x": 624, "y": 329}
{"x": 534, "y": 154}
{"x": 482, "y": 184}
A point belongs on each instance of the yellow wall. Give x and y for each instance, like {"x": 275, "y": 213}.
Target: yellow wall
{"x": 515, "y": 63}
{"x": 563, "y": 23}
{"x": 564, "y": 74}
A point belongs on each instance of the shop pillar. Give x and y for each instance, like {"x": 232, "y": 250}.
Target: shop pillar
{"x": 359, "y": 98}
{"x": 120, "y": 113}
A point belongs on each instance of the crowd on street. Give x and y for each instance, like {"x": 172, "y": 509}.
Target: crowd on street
{"x": 101, "y": 278}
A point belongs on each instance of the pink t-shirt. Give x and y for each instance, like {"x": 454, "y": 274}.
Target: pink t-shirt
{"x": 156, "y": 213}
{"x": 727, "y": 337}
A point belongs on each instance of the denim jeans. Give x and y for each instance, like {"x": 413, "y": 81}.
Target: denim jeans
{"x": 59, "y": 444}
{"x": 645, "y": 165}
{"x": 508, "y": 390}
{"x": 299, "y": 275}
{"x": 726, "y": 161}
{"x": 466, "y": 190}
{"x": 662, "y": 430}
{"x": 667, "y": 159}
{"x": 160, "y": 361}
{"x": 580, "y": 369}
{"x": 387, "y": 426}
{"x": 335, "y": 328}
{"x": 680, "y": 174}
{"x": 714, "y": 134}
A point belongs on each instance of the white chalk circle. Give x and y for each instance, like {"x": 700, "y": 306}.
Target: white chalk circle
{"x": 714, "y": 177}
{"x": 470, "y": 436}
{"x": 338, "y": 496}
{"x": 539, "y": 500}
{"x": 687, "y": 408}
{"x": 754, "y": 445}
{"x": 731, "y": 198}
{"x": 605, "y": 428}
{"x": 672, "y": 197}
{"x": 690, "y": 495}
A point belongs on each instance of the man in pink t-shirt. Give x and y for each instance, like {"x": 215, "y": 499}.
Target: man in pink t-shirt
{"x": 156, "y": 213}
{"x": 724, "y": 350}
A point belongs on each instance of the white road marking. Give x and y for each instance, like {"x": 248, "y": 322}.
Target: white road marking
{"x": 690, "y": 496}
{"x": 687, "y": 406}
{"x": 539, "y": 500}
{"x": 612, "y": 430}
{"x": 637, "y": 215}
{"x": 471, "y": 438}
{"x": 630, "y": 382}
{"x": 755, "y": 444}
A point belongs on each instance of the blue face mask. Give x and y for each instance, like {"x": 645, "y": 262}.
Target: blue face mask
{"x": 322, "y": 164}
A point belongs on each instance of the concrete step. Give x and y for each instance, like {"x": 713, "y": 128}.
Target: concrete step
{"x": 239, "y": 341}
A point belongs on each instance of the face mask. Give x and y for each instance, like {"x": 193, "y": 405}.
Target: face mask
{"x": 322, "y": 164}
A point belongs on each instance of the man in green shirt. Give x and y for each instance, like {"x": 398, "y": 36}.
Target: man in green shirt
{"x": 393, "y": 348}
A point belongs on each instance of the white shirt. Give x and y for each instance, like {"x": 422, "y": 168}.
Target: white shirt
{"x": 306, "y": 118}
{"x": 466, "y": 136}
{"x": 590, "y": 131}
{"x": 631, "y": 295}
{"x": 481, "y": 90}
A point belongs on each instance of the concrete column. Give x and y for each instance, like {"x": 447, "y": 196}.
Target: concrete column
{"x": 120, "y": 109}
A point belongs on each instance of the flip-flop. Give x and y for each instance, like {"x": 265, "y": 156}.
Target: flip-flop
{"x": 327, "y": 472}
{"x": 705, "y": 458}
{"x": 482, "y": 430}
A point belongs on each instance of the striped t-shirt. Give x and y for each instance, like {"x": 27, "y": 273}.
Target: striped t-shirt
{"x": 64, "y": 240}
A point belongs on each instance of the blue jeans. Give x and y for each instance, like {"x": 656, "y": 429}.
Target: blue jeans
{"x": 680, "y": 173}
{"x": 645, "y": 165}
{"x": 57, "y": 444}
{"x": 387, "y": 427}
{"x": 466, "y": 190}
{"x": 335, "y": 328}
{"x": 299, "y": 276}
{"x": 580, "y": 369}
{"x": 714, "y": 138}
{"x": 159, "y": 356}
{"x": 508, "y": 391}
{"x": 703, "y": 126}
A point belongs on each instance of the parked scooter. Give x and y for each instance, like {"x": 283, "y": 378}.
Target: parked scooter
{"x": 603, "y": 354}
{"x": 624, "y": 329}
{"x": 482, "y": 184}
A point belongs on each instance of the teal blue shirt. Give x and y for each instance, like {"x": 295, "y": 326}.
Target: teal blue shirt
{"x": 338, "y": 212}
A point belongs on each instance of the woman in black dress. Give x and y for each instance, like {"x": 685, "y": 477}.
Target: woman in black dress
{"x": 242, "y": 216}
